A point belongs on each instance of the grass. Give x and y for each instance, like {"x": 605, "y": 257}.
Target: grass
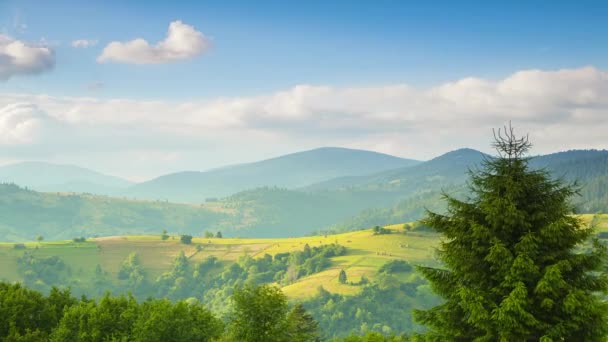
{"x": 366, "y": 252}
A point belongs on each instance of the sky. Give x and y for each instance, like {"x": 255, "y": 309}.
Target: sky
{"x": 143, "y": 88}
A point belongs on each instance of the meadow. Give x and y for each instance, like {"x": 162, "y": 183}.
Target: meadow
{"x": 365, "y": 254}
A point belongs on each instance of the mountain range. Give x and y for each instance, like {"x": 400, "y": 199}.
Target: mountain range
{"x": 293, "y": 195}
{"x": 289, "y": 171}
{"x": 50, "y": 177}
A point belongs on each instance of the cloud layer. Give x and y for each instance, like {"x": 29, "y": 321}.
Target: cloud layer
{"x": 18, "y": 57}
{"x": 560, "y": 109}
{"x": 182, "y": 42}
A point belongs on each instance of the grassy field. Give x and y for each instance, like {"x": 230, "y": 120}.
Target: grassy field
{"x": 366, "y": 252}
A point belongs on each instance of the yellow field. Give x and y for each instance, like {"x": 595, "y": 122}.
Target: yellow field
{"x": 365, "y": 254}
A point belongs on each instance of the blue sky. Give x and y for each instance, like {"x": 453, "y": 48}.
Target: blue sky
{"x": 261, "y": 46}
{"x": 297, "y": 57}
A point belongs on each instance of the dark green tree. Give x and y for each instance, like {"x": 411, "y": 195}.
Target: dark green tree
{"x": 518, "y": 266}
{"x": 164, "y": 236}
{"x": 186, "y": 239}
{"x": 301, "y": 326}
{"x": 342, "y": 277}
{"x": 218, "y": 234}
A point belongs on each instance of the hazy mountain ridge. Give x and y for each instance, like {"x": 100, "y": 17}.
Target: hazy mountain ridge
{"x": 289, "y": 171}
{"x": 447, "y": 168}
{"x": 589, "y": 168}
{"x": 391, "y": 196}
{"x": 42, "y": 176}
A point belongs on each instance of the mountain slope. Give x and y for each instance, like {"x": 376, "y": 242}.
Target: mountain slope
{"x": 289, "y": 171}
{"x": 424, "y": 184}
{"x": 448, "y": 168}
{"x": 25, "y": 214}
{"x": 43, "y": 176}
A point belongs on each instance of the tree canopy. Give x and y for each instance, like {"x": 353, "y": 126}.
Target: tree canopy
{"x": 517, "y": 264}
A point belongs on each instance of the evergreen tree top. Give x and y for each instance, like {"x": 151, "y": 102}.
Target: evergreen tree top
{"x": 516, "y": 264}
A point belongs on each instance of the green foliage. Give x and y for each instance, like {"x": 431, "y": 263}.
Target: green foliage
{"x": 41, "y": 272}
{"x": 514, "y": 267}
{"x": 301, "y": 326}
{"x": 218, "y": 234}
{"x": 259, "y": 314}
{"x": 133, "y": 274}
{"x": 395, "y": 266}
{"x": 164, "y": 236}
{"x": 27, "y": 213}
{"x": 380, "y": 230}
{"x": 208, "y": 234}
{"x": 372, "y": 336}
{"x": 28, "y": 315}
{"x": 124, "y": 319}
{"x": 382, "y": 307}
{"x": 186, "y": 239}
{"x": 342, "y": 277}
{"x": 79, "y": 239}
{"x": 163, "y": 321}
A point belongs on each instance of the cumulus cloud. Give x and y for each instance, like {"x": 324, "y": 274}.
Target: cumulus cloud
{"x": 84, "y": 43}
{"x": 18, "y": 57}
{"x": 182, "y": 42}
{"x": 397, "y": 119}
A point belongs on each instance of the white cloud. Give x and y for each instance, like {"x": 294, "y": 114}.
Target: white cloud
{"x": 182, "y": 42}
{"x": 18, "y": 57}
{"x": 84, "y": 43}
{"x": 560, "y": 109}
{"x": 23, "y": 123}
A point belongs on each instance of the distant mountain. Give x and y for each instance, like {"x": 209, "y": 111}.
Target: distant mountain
{"x": 449, "y": 168}
{"x": 290, "y": 171}
{"x": 421, "y": 186}
{"x": 390, "y": 196}
{"x": 50, "y": 177}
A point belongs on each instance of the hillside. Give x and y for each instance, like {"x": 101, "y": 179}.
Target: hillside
{"x": 449, "y": 168}
{"x": 25, "y": 214}
{"x": 386, "y": 197}
{"x": 289, "y": 171}
{"x": 421, "y": 186}
{"x": 381, "y": 280}
{"x": 42, "y": 176}
{"x": 381, "y": 283}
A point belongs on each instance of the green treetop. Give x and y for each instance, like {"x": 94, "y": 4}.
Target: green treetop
{"x": 517, "y": 265}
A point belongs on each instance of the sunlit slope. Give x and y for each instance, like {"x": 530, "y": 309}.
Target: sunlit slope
{"x": 366, "y": 253}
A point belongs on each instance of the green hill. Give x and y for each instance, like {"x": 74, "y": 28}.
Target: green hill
{"x": 421, "y": 186}
{"x": 25, "y": 214}
{"x": 379, "y": 290}
{"x": 208, "y": 269}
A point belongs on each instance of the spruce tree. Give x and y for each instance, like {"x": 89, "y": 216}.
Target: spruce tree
{"x": 516, "y": 264}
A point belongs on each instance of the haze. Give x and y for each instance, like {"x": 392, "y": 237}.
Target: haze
{"x": 139, "y": 90}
